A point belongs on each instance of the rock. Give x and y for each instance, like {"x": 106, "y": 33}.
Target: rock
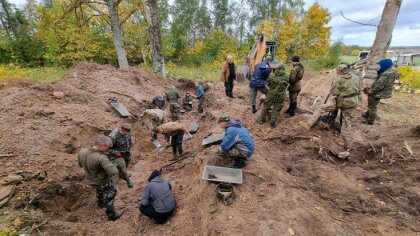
{"x": 230, "y": 217}
{"x": 343, "y": 155}
{"x": 58, "y": 94}
{"x": 291, "y": 232}
{"x": 21, "y": 113}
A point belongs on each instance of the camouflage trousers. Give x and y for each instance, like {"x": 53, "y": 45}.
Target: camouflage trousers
{"x": 175, "y": 110}
{"x": 372, "y": 108}
{"x": 201, "y": 105}
{"x": 232, "y": 154}
{"x": 254, "y": 92}
{"x": 293, "y": 95}
{"x": 277, "y": 104}
{"x": 105, "y": 195}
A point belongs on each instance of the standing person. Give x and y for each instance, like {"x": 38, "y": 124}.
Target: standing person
{"x": 347, "y": 89}
{"x": 172, "y": 96}
{"x": 258, "y": 81}
{"x": 120, "y": 152}
{"x": 296, "y": 75}
{"x": 381, "y": 88}
{"x": 200, "y": 95}
{"x": 158, "y": 201}
{"x": 228, "y": 75}
{"x": 156, "y": 117}
{"x": 99, "y": 171}
{"x": 175, "y": 131}
{"x": 158, "y": 101}
{"x": 276, "y": 94}
{"x": 237, "y": 144}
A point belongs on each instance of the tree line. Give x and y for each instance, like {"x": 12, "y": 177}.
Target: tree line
{"x": 187, "y": 32}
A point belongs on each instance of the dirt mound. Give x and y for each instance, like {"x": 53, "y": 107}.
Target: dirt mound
{"x": 292, "y": 185}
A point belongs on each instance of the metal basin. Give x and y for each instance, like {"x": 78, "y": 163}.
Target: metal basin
{"x": 222, "y": 174}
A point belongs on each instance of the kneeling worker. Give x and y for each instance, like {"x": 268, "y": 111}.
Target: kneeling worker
{"x": 156, "y": 117}
{"x": 237, "y": 144}
{"x": 175, "y": 131}
{"x": 158, "y": 201}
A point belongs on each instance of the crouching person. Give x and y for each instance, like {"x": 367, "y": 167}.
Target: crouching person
{"x": 158, "y": 201}
{"x": 237, "y": 144}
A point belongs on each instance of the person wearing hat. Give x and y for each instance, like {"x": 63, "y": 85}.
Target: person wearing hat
{"x": 237, "y": 144}
{"x": 156, "y": 117}
{"x": 228, "y": 75}
{"x": 258, "y": 81}
{"x": 99, "y": 171}
{"x": 120, "y": 150}
{"x": 277, "y": 84}
{"x": 158, "y": 201}
{"x": 381, "y": 88}
{"x": 172, "y": 96}
{"x": 158, "y": 101}
{"x": 296, "y": 75}
{"x": 175, "y": 131}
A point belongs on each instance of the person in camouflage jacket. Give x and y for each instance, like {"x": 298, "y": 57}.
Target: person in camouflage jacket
{"x": 381, "y": 88}
{"x": 296, "y": 75}
{"x": 277, "y": 84}
{"x": 172, "y": 96}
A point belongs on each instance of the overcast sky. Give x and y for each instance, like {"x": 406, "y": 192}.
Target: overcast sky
{"x": 406, "y": 32}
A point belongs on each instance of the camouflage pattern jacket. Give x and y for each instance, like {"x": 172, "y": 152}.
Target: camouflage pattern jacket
{"x": 97, "y": 167}
{"x": 347, "y": 88}
{"x": 172, "y": 96}
{"x": 277, "y": 84}
{"x": 296, "y": 75}
{"x": 120, "y": 143}
{"x": 383, "y": 86}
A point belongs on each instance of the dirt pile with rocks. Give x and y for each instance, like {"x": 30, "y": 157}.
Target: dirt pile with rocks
{"x": 294, "y": 184}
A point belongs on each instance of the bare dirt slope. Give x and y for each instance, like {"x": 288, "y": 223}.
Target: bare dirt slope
{"x": 295, "y": 186}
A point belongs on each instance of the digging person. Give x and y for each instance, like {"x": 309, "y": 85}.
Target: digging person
{"x": 158, "y": 101}
{"x": 381, "y": 88}
{"x": 175, "y": 132}
{"x": 187, "y": 103}
{"x": 172, "y": 96}
{"x": 296, "y": 75}
{"x": 346, "y": 89}
{"x": 276, "y": 94}
{"x": 200, "y": 95}
{"x": 237, "y": 144}
{"x": 156, "y": 117}
{"x": 99, "y": 171}
{"x": 120, "y": 151}
{"x": 228, "y": 75}
{"x": 158, "y": 201}
{"x": 258, "y": 81}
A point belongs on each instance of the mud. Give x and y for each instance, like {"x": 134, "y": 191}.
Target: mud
{"x": 297, "y": 186}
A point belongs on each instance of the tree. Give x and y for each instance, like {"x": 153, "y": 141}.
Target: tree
{"x": 384, "y": 31}
{"x": 152, "y": 15}
{"x": 221, "y": 14}
{"x": 115, "y": 23}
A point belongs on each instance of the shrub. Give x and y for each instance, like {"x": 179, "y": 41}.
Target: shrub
{"x": 410, "y": 77}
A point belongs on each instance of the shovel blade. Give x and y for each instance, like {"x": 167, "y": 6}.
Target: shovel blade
{"x": 156, "y": 143}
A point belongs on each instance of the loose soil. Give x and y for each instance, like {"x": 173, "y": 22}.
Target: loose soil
{"x": 292, "y": 187}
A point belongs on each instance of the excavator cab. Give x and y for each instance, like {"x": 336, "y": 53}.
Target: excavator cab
{"x": 270, "y": 49}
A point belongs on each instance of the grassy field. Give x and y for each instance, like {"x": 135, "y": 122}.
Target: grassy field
{"x": 349, "y": 59}
{"x": 42, "y": 74}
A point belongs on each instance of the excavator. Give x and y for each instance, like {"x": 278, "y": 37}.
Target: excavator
{"x": 259, "y": 51}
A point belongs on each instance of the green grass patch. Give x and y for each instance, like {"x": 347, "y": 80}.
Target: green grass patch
{"x": 41, "y": 74}
{"x": 201, "y": 73}
{"x": 348, "y": 59}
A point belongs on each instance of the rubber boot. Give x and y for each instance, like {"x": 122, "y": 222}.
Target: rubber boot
{"x": 292, "y": 107}
{"x": 118, "y": 214}
{"x": 239, "y": 163}
{"x": 130, "y": 183}
{"x": 254, "y": 109}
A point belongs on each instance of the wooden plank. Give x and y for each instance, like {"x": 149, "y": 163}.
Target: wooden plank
{"x": 214, "y": 139}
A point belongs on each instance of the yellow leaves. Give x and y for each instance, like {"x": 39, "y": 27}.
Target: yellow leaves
{"x": 12, "y": 72}
{"x": 410, "y": 77}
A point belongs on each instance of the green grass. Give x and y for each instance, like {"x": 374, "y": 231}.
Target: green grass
{"x": 202, "y": 73}
{"x": 41, "y": 74}
{"x": 349, "y": 59}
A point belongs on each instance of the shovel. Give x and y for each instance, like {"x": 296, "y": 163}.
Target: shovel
{"x": 161, "y": 148}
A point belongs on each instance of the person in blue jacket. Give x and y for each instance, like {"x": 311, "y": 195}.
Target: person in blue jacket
{"x": 258, "y": 81}
{"x": 199, "y": 92}
{"x": 237, "y": 144}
